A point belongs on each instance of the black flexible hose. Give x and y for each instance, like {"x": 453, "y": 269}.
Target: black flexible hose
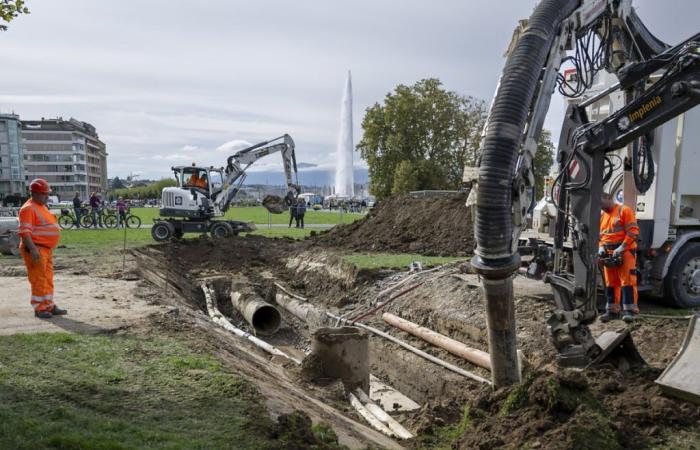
{"x": 521, "y": 75}
{"x": 643, "y": 162}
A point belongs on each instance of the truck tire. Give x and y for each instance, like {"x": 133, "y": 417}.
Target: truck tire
{"x": 162, "y": 231}
{"x": 683, "y": 277}
{"x": 221, "y": 230}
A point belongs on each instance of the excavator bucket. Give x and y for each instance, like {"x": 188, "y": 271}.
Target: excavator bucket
{"x": 618, "y": 349}
{"x": 274, "y": 204}
{"x": 680, "y": 378}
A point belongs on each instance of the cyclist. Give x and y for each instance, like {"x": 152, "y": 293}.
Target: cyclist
{"x": 78, "y": 207}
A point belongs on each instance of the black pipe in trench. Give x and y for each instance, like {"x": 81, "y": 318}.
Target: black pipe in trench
{"x": 494, "y": 259}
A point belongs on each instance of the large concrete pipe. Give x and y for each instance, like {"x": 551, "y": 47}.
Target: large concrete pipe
{"x": 263, "y": 317}
{"x": 339, "y": 353}
{"x": 303, "y": 310}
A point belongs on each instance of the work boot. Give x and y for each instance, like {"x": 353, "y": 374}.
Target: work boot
{"x": 628, "y": 316}
{"x": 59, "y": 311}
{"x": 43, "y": 314}
{"x": 608, "y": 316}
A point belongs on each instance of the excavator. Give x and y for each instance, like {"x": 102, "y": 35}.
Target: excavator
{"x": 659, "y": 84}
{"x": 203, "y": 194}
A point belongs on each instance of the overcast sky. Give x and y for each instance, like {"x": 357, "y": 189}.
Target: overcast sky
{"x": 168, "y": 82}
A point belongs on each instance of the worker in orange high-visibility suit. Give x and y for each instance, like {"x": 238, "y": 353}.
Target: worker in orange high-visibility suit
{"x": 618, "y": 236}
{"x": 39, "y": 233}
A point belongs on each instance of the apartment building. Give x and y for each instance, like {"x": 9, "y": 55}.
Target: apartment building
{"x": 12, "y": 182}
{"x": 67, "y": 153}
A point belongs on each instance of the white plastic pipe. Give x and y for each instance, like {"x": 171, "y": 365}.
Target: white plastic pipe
{"x": 302, "y": 310}
{"x": 368, "y": 416}
{"x": 382, "y": 415}
{"x": 412, "y": 349}
{"x": 222, "y": 321}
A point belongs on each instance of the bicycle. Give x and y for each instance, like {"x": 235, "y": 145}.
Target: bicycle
{"x": 112, "y": 220}
{"x": 68, "y": 220}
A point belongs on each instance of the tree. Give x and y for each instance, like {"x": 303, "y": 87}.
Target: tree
{"x": 151, "y": 191}
{"x": 544, "y": 158}
{"x": 117, "y": 183}
{"x": 9, "y": 9}
{"x": 426, "y": 132}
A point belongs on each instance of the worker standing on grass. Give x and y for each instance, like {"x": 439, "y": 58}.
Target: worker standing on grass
{"x": 40, "y": 234}
{"x": 292, "y": 212}
{"x": 95, "y": 204}
{"x": 618, "y": 237}
{"x": 301, "y": 210}
{"x": 78, "y": 207}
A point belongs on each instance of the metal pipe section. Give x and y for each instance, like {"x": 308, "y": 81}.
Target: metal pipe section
{"x": 496, "y": 257}
{"x": 302, "y": 310}
{"x": 473, "y": 355}
{"x": 412, "y": 349}
{"x": 263, "y": 317}
{"x": 222, "y": 321}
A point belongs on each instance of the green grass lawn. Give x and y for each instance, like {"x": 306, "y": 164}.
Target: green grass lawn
{"x": 396, "y": 261}
{"x": 68, "y": 391}
{"x": 259, "y": 215}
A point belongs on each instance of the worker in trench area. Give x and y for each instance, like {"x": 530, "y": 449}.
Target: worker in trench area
{"x": 39, "y": 233}
{"x": 618, "y": 238}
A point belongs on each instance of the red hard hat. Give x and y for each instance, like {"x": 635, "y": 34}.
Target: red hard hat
{"x": 40, "y": 186}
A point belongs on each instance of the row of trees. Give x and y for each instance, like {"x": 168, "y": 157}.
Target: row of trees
{"x": 150, "y": 191}
{"x": 422, "y": 136}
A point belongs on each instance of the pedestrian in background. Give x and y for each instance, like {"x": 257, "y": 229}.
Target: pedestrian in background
{"x": 39, "y": 233}
{"x": 292, "y": 212}
{"x": 78, "y": 208}
{"x": 95, "y": 204}
{"x": 121, "y": 208}
{"x": 301, "y": 210}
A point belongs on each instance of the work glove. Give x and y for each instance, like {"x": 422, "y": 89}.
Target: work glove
{"x": 619, "y": 250}
{"x": 601, "y": 252}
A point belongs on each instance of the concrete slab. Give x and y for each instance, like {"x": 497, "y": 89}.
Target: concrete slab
{"x": 680, "y": 378}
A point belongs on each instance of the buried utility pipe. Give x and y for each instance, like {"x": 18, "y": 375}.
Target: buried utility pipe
{"x": 396, "y": 428}
{"x": 263, "y": 317}
{"x": 220, "y": 320}
{"x": 418, "y": 352}
{"x": 473, "y": 355}
{"x": 302, "y": 310}
{"x": 368, "y": 416}
{"x": 382, "y": 305}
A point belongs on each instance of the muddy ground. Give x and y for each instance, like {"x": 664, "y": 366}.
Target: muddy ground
{"x": 553, "y": 408}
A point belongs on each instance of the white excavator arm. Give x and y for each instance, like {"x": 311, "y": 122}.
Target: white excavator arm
{"x": 238, "y": 163}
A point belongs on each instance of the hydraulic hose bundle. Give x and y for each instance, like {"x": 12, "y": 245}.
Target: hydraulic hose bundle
{"x": 495, "y": 258}
{"x": 494, "y": 226}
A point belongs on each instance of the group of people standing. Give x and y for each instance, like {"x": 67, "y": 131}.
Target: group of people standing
{"x": 296, "y": 212}
{"x": 96, "y": 207}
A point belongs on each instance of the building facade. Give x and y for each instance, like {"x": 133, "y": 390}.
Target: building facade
{"x": 12, "y": 176}
{"x": 67, "y": 153}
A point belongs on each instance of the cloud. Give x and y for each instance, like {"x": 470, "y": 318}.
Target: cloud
{"x": 189, "y": 148}
{"x": 305, "y": 165}
{"x": 173, "y": 157}
{"x": 233, "y": 146}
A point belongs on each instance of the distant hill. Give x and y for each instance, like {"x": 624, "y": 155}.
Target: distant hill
{"x": 308, "y": 177}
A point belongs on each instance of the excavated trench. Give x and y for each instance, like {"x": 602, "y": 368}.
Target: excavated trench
{"x": 447, "y": 300}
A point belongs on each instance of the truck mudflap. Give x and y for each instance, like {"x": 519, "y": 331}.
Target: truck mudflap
{"x": 680, "y": 379}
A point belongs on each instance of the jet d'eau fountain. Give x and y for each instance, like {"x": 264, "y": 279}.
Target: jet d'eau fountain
{"x": 344, "y": 181}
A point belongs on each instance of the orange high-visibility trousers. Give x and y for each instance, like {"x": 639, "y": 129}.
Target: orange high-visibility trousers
{"x": 40, "y": 274}
{"x": 621, "y": 284}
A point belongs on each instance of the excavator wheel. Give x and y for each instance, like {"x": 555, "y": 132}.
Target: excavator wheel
{"x": 221, "y": 230}
{"x": 162, "y": 231}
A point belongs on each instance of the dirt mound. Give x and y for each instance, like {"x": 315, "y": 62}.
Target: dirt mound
{"x": 573, "y": 410}
{"x": 433, "y": 226}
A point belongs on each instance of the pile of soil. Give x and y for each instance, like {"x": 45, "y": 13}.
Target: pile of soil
{"x": 433, "y": 226}
{"x": 594, "y": 409}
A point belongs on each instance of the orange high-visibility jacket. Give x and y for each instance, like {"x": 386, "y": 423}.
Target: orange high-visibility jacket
{"x": 619, "y": 226}
{"x": 36, "y": 220}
